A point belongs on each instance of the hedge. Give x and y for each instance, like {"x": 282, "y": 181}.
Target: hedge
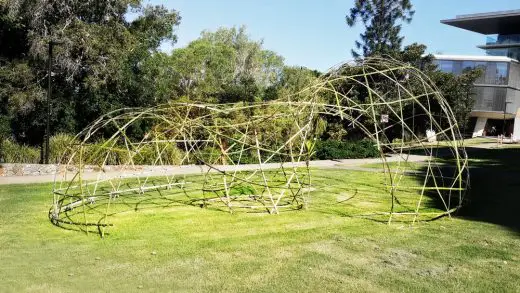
{"x": 171, "y": 155}
{"x": 336, "y": 149}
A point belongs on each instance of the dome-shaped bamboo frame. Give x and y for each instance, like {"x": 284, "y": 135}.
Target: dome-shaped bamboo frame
{"x": 276, "y": 140}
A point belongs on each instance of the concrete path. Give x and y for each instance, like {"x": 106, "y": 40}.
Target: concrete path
{"x": 153, "y": 171}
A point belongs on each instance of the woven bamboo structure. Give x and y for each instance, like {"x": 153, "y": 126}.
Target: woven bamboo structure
{"x": 255, "y": 156}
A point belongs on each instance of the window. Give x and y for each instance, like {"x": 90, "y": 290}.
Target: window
{"x": 513, "y": 53}
{"x": 501, "y": 73}
{"x": 482, "y": 66}
{"x": 457, "y": 67}
{"x": 445, "y": 66}
{"x": 489, "y": 98}
{"x": 508, "y": 39}
{"x": 496, "y": 52}
{"x": 493, "y": 72}
{"x": 467, "y": 65}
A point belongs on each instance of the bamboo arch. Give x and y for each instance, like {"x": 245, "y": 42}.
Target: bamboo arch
{"x": 256, "y": 156}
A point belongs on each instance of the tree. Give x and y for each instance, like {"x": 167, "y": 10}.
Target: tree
{"x": 293, "y": 79}
{"x": 456, "y": 89}
{"x": 382, "y": 21}
{"x": 225, "y": 66}
{"x": 100, "y": 62}
{"x": 459, "y": 92}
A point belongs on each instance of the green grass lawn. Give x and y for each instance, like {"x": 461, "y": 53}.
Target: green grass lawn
{"x": 329, "y": 247}
{"x": 413, "y": 166}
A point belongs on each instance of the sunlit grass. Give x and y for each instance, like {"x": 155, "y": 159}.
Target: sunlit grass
{"x": 330, "y": 247}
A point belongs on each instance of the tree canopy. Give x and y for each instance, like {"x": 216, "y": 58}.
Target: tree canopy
{"x": 225, "y": 66}
{"x": 382, "y": 21}
{"x": 98, "y": 60}
{"x": 107, "y": 56}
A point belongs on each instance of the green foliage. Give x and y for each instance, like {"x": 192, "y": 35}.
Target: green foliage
{"x": 243, "y": 189}
{"x": 336, "y": 131}
{"x": 60, "y": 148}
{"x": 107, "y": 60}
{"x": 106, "y": 152}
{"x": 158, "y": 154}
{"x": 335, "y": 149}
{"x": 101, "y": 61}
{"x": 208, "y": 155}
{"x": 292, "y": 80}
{"x": 247, "y": 157}
{"x": 456, "y": 89}
{"x": 99, "y": 153}
{"x": 16, "y": 153}
{"x": 224, "y": 66}
{"x": 382, "y": 20}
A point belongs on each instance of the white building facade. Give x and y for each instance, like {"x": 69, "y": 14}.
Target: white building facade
{"x": 497, "y": 91}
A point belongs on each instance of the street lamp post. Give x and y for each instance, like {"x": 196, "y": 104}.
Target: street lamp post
{"x": 504, "y": 123}
{"x": 52, "y": 43}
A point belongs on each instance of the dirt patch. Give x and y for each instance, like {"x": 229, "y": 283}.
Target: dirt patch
{"x": 398, "y": 258}
{"x": 436, "y": 271}
{"x": 406, "y": 260}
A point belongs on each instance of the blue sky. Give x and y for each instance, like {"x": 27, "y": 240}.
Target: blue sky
{"x": 313, "y": 33}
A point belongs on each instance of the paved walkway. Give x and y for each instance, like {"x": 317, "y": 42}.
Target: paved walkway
{"x": 153, "y": 171}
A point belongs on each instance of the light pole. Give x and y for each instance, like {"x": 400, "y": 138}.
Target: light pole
{"x": 49, "y": 95}
{"x": 504, "y": 123}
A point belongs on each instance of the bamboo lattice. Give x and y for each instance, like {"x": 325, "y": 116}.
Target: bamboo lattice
{"x": 255, "y": 156}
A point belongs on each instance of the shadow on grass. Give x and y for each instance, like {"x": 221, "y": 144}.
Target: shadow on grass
{"x": 494, "y": 194}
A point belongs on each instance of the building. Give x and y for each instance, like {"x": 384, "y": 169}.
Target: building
{"x": 497, "y": 92}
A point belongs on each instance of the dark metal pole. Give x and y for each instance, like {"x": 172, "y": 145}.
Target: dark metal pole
{"x": 49, "y": 94}
{"x": 504, "y": 121}
{"x": 504, "y": 124}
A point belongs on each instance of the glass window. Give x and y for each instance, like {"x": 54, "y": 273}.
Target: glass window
{"x": 514, "y": 75}
{"x": 499, "y": 99}
{"x": 508, "y": 39}
{"x": 446, "y": 66}
{"x": 437, "y": 63}
{"x": 489, "y": 98}
{"x": 501, "y": 73}
{"x": 482, "y": 66}
{"x": 457, "y": 67}
{"x": 496, "y": 52}
{"x": 467, "y": 65}
{"x": 490, "y": 40}
{"x": 514, "y": 53}
{"x": 491, "y": 73}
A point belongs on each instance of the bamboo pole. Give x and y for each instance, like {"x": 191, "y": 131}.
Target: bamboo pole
{"x": 193, "y": 129}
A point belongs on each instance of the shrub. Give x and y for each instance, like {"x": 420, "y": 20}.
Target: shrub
{"x": 208, "y": 155}
{"x": 335, "y": 149}
{"x": 60, "y": 148}
{"x": 15, "y": 153}
{"x": 148, "y": 154}
{"x": 171, "y": 154}
{"x": 101, "y": 152}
